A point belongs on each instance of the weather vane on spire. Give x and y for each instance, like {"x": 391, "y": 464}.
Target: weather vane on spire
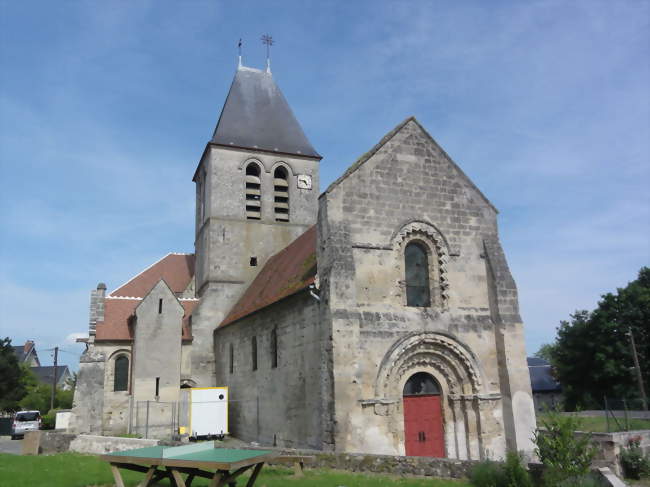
{"x": 239, "y": 48}
{"x": 268, "y": 40}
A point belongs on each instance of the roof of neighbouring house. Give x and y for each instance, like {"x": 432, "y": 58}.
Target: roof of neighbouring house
{"x": 257, "y": 116}
{"x": 118, "y": 313}
{"x": 23, "y": 352}
{"x": 541, "y": 376}
{"x": 285, "y": 273}
{"x": 176, "y": 269}
{"x": 45, "y": 374}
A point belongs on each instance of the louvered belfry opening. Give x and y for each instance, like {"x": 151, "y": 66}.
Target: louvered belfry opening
{"x": 253, "y": 192}
{"x": 281, "y": 194}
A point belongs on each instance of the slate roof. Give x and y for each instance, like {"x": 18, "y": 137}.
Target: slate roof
{"x": 285, "y": 273}
{"x": 541, "y": 376}
{"x": 118, "y": 313}
{"x": 45, "y": 374}
{"x": 176, "y": 269}
{"x": 23, "y": 352}
{"x": 257, "y": 116}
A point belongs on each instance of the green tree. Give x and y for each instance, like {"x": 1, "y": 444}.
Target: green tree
{"x": 592, "y": 356}
{"x": 12, "y": 388}
{"x": 546, "y": 352}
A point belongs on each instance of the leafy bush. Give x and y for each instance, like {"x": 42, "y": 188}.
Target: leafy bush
{"x": 566, "y": 457}
{"x": 487, "y": 474}
{"x": 515, "y": 473}
{"x": 510, "y": 474}
{"x": 635, "y": 464}
{"x": 48, "y": 421}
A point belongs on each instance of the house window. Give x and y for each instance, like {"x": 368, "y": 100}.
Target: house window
{"x": 274, "y": 348}
{"x": 253, "y": 192}
{"x": 254, "y": 352}
{"x": 121, "y": 376}
{"x": 418, "y": 292}
{"x": 281, "y": 194}
{"x": 231, "y": 359}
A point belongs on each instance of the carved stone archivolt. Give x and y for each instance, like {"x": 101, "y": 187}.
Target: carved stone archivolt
{"x": 439, "y": 250}
{"x": 435, "y": 351}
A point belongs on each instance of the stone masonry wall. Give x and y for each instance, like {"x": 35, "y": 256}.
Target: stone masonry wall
{"x": 226, "y": 241}
{"x": 275, "y": 406}
{"x": 408, "y": 189}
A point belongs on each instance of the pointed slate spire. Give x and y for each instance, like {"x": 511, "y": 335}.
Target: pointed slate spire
{"x": 257, "y": 116}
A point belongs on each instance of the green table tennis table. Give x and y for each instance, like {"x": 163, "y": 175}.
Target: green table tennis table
{"x": 221, "y": 465}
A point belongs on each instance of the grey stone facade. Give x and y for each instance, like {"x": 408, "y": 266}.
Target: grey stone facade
{"x": 347, "y": 345}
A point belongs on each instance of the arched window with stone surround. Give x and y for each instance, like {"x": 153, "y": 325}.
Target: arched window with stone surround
{"x": 281, "y": 194}
{"x": 121, "y": 375}
{"x": 253, "y": 192}
{"x": 416, "y": 265}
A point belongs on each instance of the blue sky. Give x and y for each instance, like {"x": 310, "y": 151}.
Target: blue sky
{"x": 105, "y": 108}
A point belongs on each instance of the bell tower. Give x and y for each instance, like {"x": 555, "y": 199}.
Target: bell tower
{"x": 257, "y": 188}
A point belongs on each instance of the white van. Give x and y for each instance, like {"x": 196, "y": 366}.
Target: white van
{"x": 25, "y": 421}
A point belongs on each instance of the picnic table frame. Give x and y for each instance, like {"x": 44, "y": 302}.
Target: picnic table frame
{"x": 220, "y": 473}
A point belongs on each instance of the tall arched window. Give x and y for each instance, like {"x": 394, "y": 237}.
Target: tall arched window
{"x": 417, "y": 275}
{"x": 253, "y": 192}
{"x": 121, "y": 376}
{"x": 281, "y": 194}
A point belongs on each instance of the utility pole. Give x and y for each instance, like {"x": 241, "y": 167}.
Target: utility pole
{"x": 56, "y": 357}
{"x": 639, "y": 377}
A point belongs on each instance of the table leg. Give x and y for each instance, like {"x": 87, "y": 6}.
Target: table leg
{"x": 189, "y": 479}
{"x": 177, "y": 477}
{"x": 117, "y": 476}
{"x": 147, "y": 478}
{"x": 253, "y": 477}
{"x": 215, "y": 480}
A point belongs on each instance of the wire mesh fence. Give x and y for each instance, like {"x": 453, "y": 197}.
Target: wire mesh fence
{"x": 173, "y": 419}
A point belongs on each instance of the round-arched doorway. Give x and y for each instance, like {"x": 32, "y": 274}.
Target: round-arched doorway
{"x": 424, "y": 434}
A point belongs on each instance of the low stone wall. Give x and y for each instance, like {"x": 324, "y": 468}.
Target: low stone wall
{"x": 386, "y": 464}
{"x": 105, "y": 444}
{"x": 49, "y": 442}
{"x": 610, "y": 446}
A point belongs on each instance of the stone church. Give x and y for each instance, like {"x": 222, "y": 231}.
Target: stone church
{"x": 377, "y": 316}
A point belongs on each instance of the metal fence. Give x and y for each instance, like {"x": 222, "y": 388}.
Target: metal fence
{"x": 169, "y": 419}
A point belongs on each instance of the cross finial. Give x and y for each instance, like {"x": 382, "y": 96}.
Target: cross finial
{"x": 268, "y": 40}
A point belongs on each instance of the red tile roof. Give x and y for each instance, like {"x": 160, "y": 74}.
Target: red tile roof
{"x": 176, "y": 269}
{"x": 118, "y": 312}
{"x": 287, "y": 272}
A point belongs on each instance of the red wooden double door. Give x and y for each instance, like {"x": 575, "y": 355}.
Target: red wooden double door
{"x": 423, "y": 426}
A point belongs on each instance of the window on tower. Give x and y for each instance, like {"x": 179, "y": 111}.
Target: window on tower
{"x": 253, "y": 192}
{"x": 281, "y": 194}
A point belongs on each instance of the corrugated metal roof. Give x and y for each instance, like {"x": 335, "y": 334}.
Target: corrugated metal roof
{"x": 257, "y": 116}
{"x": 287, "y": 272}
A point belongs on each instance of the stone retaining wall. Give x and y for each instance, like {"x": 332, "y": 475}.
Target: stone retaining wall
{"x": 100, "y": 445}
{"x": 610, "y": 446}
{"x": 49, "y": 442}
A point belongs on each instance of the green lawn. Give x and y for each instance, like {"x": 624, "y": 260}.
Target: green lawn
{"x": 598, "y": 424}
{"x": 75, "y": 470}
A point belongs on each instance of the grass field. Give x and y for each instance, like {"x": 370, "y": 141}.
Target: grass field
{"x": 598, "y": 424}
{"x": 75, "y": 470}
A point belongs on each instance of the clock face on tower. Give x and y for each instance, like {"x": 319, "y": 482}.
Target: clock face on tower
{"x": 304, "y": 181}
